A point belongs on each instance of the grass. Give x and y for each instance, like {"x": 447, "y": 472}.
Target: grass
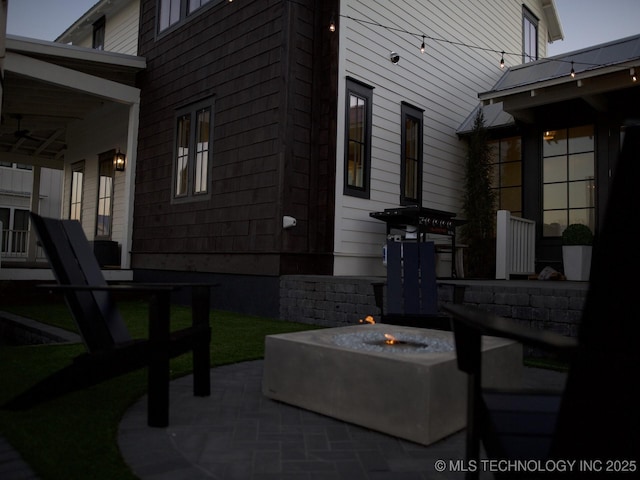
{"x": 75, "y": 436}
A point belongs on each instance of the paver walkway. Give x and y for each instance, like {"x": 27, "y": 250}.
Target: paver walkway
{"x": 238, "y": 434}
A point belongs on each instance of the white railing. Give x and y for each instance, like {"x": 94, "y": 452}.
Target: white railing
{"x": 14, "y": 244}
{"x": 515, "y": 245}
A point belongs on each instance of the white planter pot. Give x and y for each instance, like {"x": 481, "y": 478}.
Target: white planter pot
{"x": 577, "y": 262}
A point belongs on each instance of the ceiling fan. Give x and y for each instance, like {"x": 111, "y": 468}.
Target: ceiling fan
{"x": 20, "y": 134}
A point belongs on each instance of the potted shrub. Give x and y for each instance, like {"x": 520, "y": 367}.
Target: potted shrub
{"x": 577, "y": 240}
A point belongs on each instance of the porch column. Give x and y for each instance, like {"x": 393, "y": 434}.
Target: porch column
{"x": 129, "y": 184}
{"x": 34, "y": 207}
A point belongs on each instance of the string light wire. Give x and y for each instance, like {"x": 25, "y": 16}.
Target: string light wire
{"x": 466, "y": 45}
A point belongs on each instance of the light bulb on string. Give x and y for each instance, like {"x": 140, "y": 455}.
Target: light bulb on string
{"x": 422, "y": 47}
{"x": 502, "y": 60}
{"x": 573, "y": 72}
{"x": 332, "y": 24}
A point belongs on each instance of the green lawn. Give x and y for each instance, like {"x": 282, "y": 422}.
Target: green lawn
{"x": 74, "y": 436}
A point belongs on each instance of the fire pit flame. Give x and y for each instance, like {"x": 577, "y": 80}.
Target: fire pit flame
{"x": 390, "y": 339}
{"x": 368, "y": 319}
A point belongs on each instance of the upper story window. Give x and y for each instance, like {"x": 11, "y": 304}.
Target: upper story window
{"x": 357, "y": 162}
{"x": 529, "y": 36}
{"x": 171, "y": 12}
{"x": 411, "y": 156}
{"x": 193, "y": 151}
{"x": 98, "y": 34}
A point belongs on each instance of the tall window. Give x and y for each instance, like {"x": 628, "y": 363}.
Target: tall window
{"x": 192, "y": 164}
{"x": 568, "y": 174}
{"x": 357, "y": 165}
{"x": 171, "y": 12}
{"x": 529, "y": 36}
{"x": 105, "y": 195}
{"x": 411, "y": 158}
{"x": 75, "y": 203}
{"x": 507, "y": 173}
{"x": 98, "y": 34}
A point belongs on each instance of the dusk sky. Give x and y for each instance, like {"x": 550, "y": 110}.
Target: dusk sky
{"x": 584, "y": 22}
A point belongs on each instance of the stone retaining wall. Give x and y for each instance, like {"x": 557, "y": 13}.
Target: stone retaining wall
{"x": 339, "y": 301}
{"x": 557, "y": 307}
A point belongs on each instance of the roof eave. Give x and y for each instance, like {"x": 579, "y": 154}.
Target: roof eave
{"x": 494, "y": 96}
{"x": 554, "y": 27}
{"x": 43, "y": 47}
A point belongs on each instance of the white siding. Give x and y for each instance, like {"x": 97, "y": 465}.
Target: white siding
{"x": 104, "y": 130}
{"x": 444, "y": 82}
{"x": 16, "y": 186}
{"x": 121, "y": 30}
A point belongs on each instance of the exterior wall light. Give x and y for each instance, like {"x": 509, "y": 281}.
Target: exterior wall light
{"x": 119, "y": 161}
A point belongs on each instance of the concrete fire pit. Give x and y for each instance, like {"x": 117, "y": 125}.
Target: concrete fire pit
{"x": 411, "y": 389}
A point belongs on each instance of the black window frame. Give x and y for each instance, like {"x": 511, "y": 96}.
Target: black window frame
{"x": 408, "y": 111}
{"x": 529, "y": 20}
{"x": 105, "y": 159}
{"x": 184, "y": 12}
{"x": 98, "y": 37}
{"x": 364, "y": 92}
{"x": 192, "y": 111}
{"x": 76, "y": 168}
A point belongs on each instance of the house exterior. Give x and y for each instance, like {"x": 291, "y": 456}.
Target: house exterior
{"x": 78, "y": 106}
{"x": 558, "y": 126}
{"x": 255, "y": 113}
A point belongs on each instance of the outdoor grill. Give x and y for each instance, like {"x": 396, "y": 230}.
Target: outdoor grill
{"x": 426, "y": 221}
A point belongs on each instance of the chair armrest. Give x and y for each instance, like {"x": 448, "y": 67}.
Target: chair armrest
{"x": 115, "y": 288}
{"x": 486, "y": 323}
{"x": 128, "y": 287}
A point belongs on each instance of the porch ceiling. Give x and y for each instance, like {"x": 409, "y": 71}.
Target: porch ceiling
{"x": 49, "y": 86}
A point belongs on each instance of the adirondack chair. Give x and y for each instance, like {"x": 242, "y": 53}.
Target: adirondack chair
{"x": 412, "y": 291}
{"x": 597, "y": 416}
{"x": 110, "y": 349}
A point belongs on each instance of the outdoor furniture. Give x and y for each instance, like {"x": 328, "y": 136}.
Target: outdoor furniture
{"x": 110, "y": 349}
{"x": 411, "y": 288}
{"x": 596, "y": 418}
{"x": 511, "y": 424}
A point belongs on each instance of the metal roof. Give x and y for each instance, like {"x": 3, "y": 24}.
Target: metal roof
{"x": 494, "y": 117}
{"x": 599, "y": 69}
{"x": 587, "y": 62}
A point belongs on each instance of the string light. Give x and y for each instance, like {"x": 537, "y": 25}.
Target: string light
{"x": 422, "y": 47}
{"x": 332, "y": 24}
{"x": 573, "y": 72}
{"x": 632, "y": 73}
{"x": 466, "y": 45}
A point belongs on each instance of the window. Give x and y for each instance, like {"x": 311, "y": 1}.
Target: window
{"x": 98, "y": 34}
{"x": 173, "y": 11}
{"x": 193, "y": 150}
{"x": 357, "y": 164}
{"x": 411, "y": 157}
{"x": 507, "y": 173}
{"x": 105, "y": 195}
{"x": 529, "y": 36}
{"x": 568, "y": 175}
{"x": 75, "y": 204}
